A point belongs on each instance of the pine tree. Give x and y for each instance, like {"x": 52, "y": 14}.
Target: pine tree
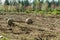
{"x": 19, "y": 1}
{"x": 36, "y": 4}
{"x": 0, "y": 2}
{"x": 47, "y": 1}
{"x": 15, "y": 2}
{"x": 52, "y": 5}
{"x": 10, "y": 3}
{"x": 26, "y": 3}
{"x": 6, "y": 2}
{"x": 59, "y": 2}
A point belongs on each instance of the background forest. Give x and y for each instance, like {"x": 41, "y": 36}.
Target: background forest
{"x": 27, "y": 6}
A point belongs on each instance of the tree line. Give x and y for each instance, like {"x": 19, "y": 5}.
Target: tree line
{"x": 23, "y": 5}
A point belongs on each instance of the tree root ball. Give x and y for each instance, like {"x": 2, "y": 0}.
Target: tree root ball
{"x": 29, "y": 21}
{"x": 10, "y": 22}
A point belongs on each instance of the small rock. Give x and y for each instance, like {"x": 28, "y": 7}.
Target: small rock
{"x": 29, "y": 21}
{"x": 1, "y": 36}
{"x": 10, "y": 22}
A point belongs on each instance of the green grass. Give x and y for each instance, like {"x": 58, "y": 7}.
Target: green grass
{"x": 4, "y": 38}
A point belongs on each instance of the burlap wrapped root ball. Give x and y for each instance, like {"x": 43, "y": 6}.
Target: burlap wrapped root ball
{"x": 29, "y": 21}
{"x": 10, "y": 22}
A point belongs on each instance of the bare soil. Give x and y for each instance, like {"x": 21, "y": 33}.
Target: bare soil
{"x": 44, "y": 27}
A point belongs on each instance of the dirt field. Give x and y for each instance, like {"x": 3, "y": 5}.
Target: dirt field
{"x": 43, "y": 28}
